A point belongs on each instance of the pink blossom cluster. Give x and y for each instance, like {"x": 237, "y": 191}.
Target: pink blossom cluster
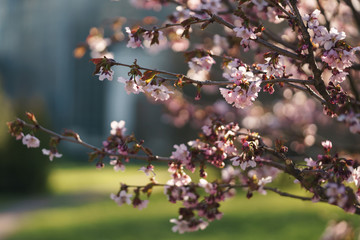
{"x": 337, "y": 54}
{"x": 246, "y": 85}
{"x": 201, "y": 64}
{"x": 206, "y": 208}
{"x": 135, "y": 85}
{"x": 246, "y": 35}
{"x": 123, "y": 197}
{"x": 337, "y": 195}
{"x": 241, "y": 96}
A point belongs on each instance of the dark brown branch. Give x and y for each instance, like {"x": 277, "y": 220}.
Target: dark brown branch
{"x": 355, "y": 67}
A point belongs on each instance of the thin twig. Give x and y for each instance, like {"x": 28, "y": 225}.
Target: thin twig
{"x": 260, "y": 40}
{"x": 285, "y": 194}
{"x": 322, "y": 10}
{"x": 210, "y": 82}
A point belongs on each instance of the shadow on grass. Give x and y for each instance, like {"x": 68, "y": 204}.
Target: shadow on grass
{"x": 290, "y": 225}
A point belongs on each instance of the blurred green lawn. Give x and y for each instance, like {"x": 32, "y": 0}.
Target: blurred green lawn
{"x": 80, "y": 208}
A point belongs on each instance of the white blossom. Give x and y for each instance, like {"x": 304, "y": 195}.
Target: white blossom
{"x": 121, "y": 198}
{"x": 51, "y": 154}
{"x": 118, "y": 128}
{"x": 31, "y": 141}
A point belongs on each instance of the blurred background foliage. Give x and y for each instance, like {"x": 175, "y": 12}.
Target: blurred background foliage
{"x": 22, "y": 171}
{"x": 39, "y": 74}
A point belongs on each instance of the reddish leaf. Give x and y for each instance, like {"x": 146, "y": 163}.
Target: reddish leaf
{"x": 148, "y": 76}
{"x": 96, "y": 61}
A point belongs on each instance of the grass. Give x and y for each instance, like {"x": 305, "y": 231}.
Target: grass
{"x": 80, "y": 208}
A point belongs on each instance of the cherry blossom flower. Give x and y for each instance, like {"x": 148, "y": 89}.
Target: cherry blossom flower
{"x": 310, "y": 162}
{"x": 209, "y": 187}
{"x": 148, "y": 170}
{"x": 121, "y": 198}
{"x": 274, "y": 68}
{"x": 312, "y": 19}
{"x": 337, "y": 194}
{"x": 161, "y": 92}
{"x": 190, "y": 200}
{"x": 118, "y": 128}
{"x": 140, "y": 204}
{"x": 240, "y": 98}
{"x": 199, "y": 64}
{"x": 133, "y": 42}
{"x": 179, "y": 180}
{"x": 206, "y": 130}
{"x": 246, "y": 34}
{"x": 236, "y": 74}
{"x": 262, "y": 183}
{"x": 339, "y": 77}
{"x": 239, "y": 161}
{"x": 355, "y": 176}
{"x": 31, "y": 141}
{"x": 327, "y": 145}
{"x": 105, "y": 74}
{"x": 156, "y": 47}
{"x": 329, "y": 40}
{"x": 118, "y": 165}
{"x": 131, "y": 85}
{"x": 51, "y": 154}
{"x": 181, "y": 153}
{"x": 181, "y": 226}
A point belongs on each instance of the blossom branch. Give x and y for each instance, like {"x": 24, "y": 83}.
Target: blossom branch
{"x": 210, "y": 82}
{"x": 319, "y": 83}
{"x": 89, "y": 146}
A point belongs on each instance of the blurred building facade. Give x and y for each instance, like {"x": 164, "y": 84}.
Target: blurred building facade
{"x": 36, "y": 62}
